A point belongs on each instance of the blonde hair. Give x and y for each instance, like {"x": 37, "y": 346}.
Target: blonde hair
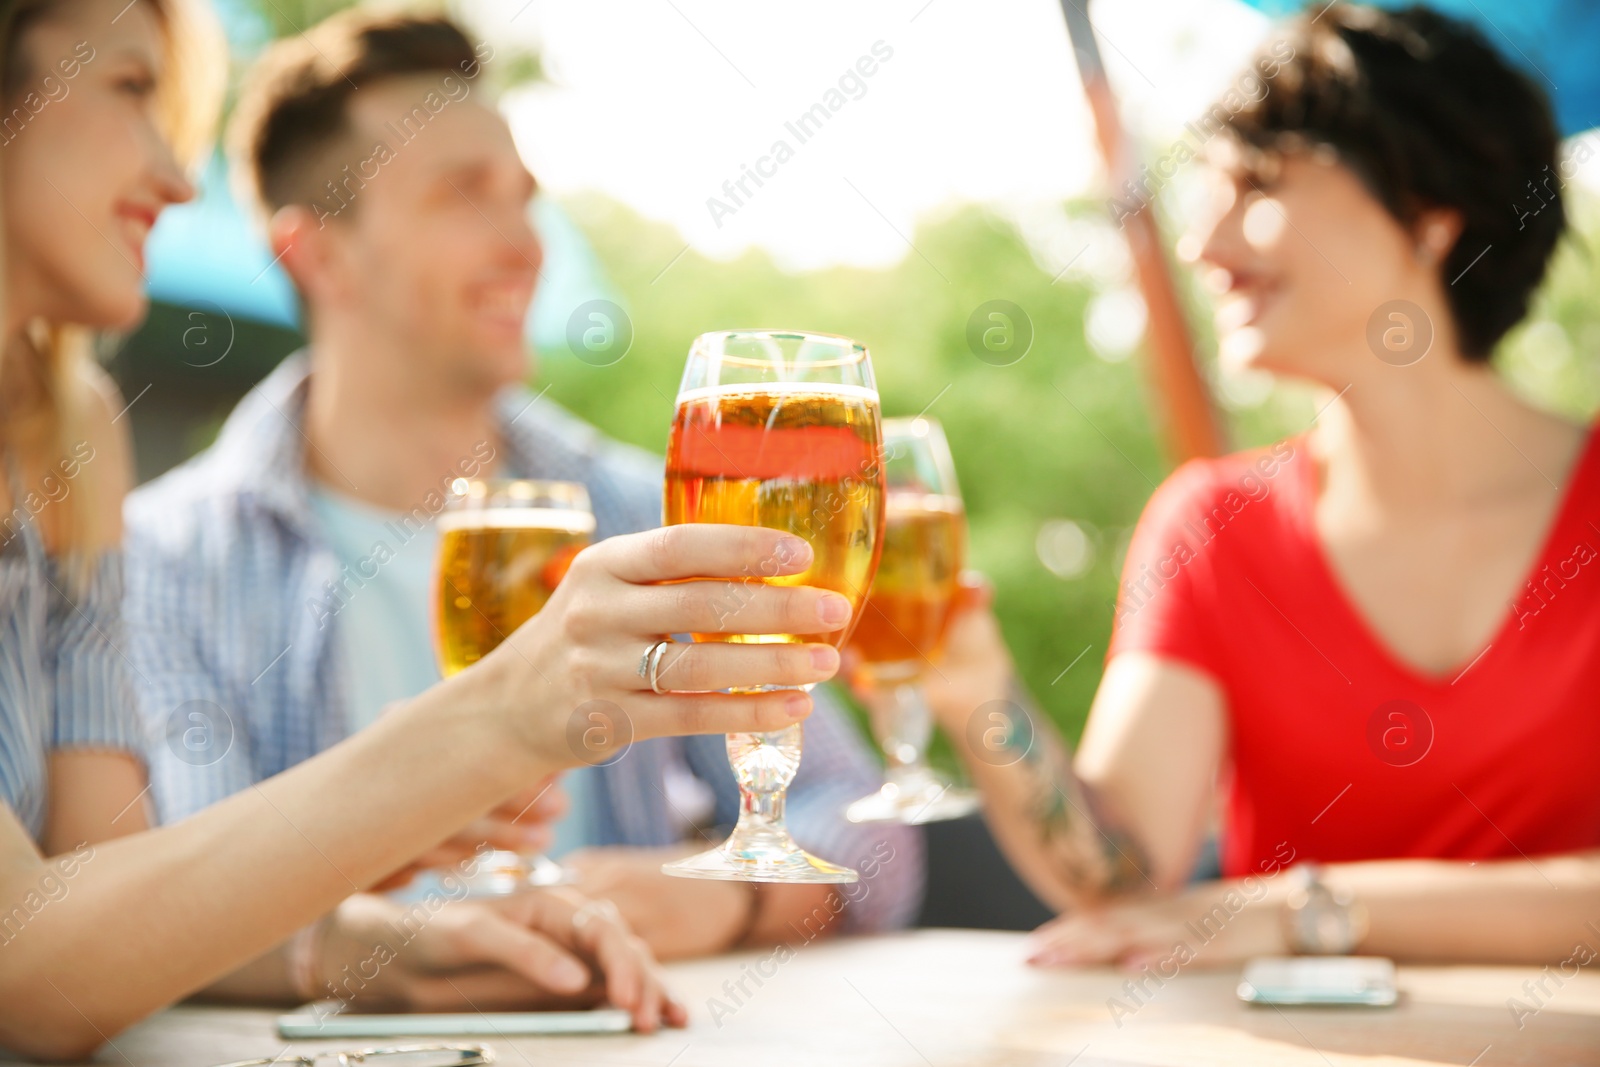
{"x": 44, "y": 370}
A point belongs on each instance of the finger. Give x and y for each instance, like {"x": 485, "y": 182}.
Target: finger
{"x": 632, "y": 976}
{"x": 399, "y": 878}
{"x": 1050, "y": 939}
{"x": 596, "y": 929}
{"x": 856, "y": 674}
{"x": 716, "y": 713}
{"x": 527, "y": 821}
{"x": 736, "y": 606}
{"x": 718, "y": 665}
{"x": 513, "y": 835}
{"x": 1047, "y": 933}
{"x": 624, "y": 959}
{"x": 975, "y": 591}
{"x": 1138, "y": 959}
{"x": 647, "y": 1015}
{"x": 1082, "y": 944}
{"x": 625, "y": 962}
{"x": 548, "y": 803}
{"x": 660, "y": 1006}
{"x": 480, "y": 834}
{"x": 545, "y": 803}
{"x": 673, "y": 1011}
{"x": 491, "y": 989}
{"x": 492, "y": 938}
{"x": 1051, "y": 926}
{"x": 701, "y": 550}
{"x": 582, "y": 859}
{"x": 447, "y": 854}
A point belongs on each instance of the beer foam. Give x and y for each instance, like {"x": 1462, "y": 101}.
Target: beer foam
{"x": 899, "y": 501}
{"x": 852, "y": 392}
{"x": 561, "y": 519}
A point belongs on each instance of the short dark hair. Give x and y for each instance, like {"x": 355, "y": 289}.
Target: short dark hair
{"x": 1428, "y": 115}
{"x": 292, "y": 117}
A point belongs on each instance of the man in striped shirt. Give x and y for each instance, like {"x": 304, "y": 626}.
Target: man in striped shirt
{"x": 278, "y": 583}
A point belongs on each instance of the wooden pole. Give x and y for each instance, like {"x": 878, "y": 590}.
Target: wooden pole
{"x": 1189, "y": 421}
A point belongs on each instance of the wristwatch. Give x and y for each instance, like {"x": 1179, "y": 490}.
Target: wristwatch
{"x": 1319, "y": 920}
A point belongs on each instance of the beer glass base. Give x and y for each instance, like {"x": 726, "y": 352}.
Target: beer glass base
{"x": 914, "y": 802}
{"x": 760, "y": 860}
{"x": 505, "y": 874}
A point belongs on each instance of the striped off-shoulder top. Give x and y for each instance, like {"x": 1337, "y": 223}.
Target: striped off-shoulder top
{"x": 63, "y": 680}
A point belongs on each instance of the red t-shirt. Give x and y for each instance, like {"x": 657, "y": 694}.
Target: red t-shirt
{"x": 1338, "y": 750}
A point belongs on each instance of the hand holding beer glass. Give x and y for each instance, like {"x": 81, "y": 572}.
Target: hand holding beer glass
{"x": 901, "y": 631}
{"x": 780, "y": 430}
{"x": 504, "y": 545}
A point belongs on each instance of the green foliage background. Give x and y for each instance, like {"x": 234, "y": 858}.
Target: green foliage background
{"x": 1059, "y": 434}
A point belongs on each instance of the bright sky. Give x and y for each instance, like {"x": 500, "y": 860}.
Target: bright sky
{"x": 659, "y": 102}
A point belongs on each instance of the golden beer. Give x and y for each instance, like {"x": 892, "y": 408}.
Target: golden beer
{"x": 792, "y": 456}
{"x": 902, "y": 626}
{"x": 497, "y": 568}
{"x": 777, "y": 428}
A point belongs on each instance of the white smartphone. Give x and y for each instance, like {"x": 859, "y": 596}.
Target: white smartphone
{"x": 311, "y": 1024}
{"x": 1356, "y": 980}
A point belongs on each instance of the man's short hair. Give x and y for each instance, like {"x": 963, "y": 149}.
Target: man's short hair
{"x": 291, "y": 134}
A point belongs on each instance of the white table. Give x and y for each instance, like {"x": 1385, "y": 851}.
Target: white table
{"x": 940, "y": 998}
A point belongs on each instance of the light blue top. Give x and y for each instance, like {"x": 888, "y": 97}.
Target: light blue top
{"x": 385, "y": 574}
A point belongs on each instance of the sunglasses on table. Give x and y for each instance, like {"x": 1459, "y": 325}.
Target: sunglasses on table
{"x": 402, "y": 1056}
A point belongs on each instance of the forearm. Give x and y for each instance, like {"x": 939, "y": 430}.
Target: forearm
{"x": 1052, "y": 827}
{"x": 792, "y": 914}
{"x": 236, "y": 879}
{"x": 95, "y": 795}
{"x": 264, "y": 980}
{"x": 1526, "y": 911}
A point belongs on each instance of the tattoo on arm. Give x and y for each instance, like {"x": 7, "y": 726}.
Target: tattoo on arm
{"x": 1094, "y": 856}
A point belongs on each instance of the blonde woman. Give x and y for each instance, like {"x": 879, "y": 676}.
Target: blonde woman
{"x": 101, "y": 925}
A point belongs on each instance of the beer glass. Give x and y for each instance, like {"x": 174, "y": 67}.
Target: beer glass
{"x": 902, "y": 627}
{"x": 781, "y": 430}
{"x": 504, "y": 545}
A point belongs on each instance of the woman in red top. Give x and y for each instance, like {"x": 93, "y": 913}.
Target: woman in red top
{"x": 1380, "y": 638}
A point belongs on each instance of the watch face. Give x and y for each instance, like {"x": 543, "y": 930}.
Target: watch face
{"x": 1323, "y": 926}
{"x": 1333, "y": 929}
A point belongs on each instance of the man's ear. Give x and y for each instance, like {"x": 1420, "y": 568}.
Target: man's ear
{"x": 306, "y": 246}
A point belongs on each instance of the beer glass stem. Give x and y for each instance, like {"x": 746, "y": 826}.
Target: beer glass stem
{"x": 762, "y": 808}
{"x": 763, "y": 765}
{"x": 907, "y": 729}
{"x": 913, "y": 792}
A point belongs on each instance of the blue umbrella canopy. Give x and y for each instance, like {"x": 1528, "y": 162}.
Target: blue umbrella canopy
{"x": 1556, "y": 41}
{"x": 207, "y": 252}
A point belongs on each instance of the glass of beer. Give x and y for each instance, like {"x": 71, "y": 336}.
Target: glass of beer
{"x": 781, "y": 430}
{"x": 504, "y": 545}
{"x": 900, "y": 635}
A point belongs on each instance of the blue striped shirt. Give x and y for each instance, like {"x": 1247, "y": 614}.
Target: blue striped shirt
{"x": 234, "y": 601}
{"x": 63, "y": 678}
